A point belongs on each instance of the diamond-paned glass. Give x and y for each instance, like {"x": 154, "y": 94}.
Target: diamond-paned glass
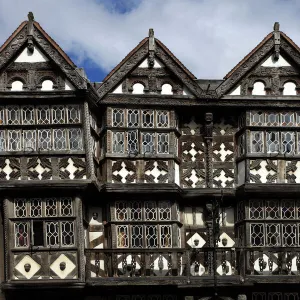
{"x": 21, "y": 234}
{"x": 256, "y": 209}
{"x": 151, "y": 236}
{"x": 257, "y": 142}
{"x": 257, "y": 234}
{"x": 148, "y": 142}
{"x": 148, "y": 118}
{"x": 118, "y": 142}
{"x": 73, "y": 114}
{"x": 59, "y": 139}
{"x": 257, "y": 118}
{"x": 29, "y": 140}
{"x": 75, "y": 139}
{"x": 13, "y": 115}
{"x": 288, "y": 142}
{"x": 132, "y": 118}
{"x": 137, "y": 236}
{"x": 43, "y": 114}
{"x": 51, "y": 207}
{"x": 58, "y": 114}
{"x": 289, "y": 235}
{"x": 258, "y": 296}
{"x": 272, "y": 209}
{"x": 132, "y": 141}
{"x": 272, "y": 119}
{"x": 162, "y": 119}
{"x": 44, "y": 139}
{"x": 2, "y": 140}
{"x": 14, "y": 140}
{"x": 273, "y": 235}
{"x": 272, "y": 140}
{"x": 66, "y": 207}
{"x": 118, "y": 117}
{"x": 20, "y": 208}
{"x": 36, "y": 207}
{"x": 287, "y": 119}
{"x": 287, "y": 209}
{"x": 163, "y": 143}
{"x": 28, "y": 115}
{"x": 67, "y": 233}
{"x": 165, "y": 236}
{"x": 52, "y": 233}
{"x": 164, "y": 210}
{"x": 150, "y": 211}
{"x": 291, "y": 296}
{"x": 122, "y": 236}
{"x": 274, "y": 296}
{"x": 121, "y": 211}
{"x": 135, "y": 209}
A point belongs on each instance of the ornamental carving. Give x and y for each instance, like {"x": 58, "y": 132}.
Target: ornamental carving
{"x": 263, "y": 171}
{"x": 72, "y": 168}
{"x": 39, "y": 168}
{"x": 156, "y": 171}
{"x": 124, "y": 171}
{"x": 10, "y": 168}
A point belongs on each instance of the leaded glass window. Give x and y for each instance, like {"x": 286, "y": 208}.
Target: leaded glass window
{"x": 59, "y": 139}
{"x": 257, "y": 142}
{"x": 13, "y": 115}
{"x": 44, "y": 136}
{"x": 148, "y": 118}
{"x": 58, "y": 114}
{"x": 163, "y": 143}
{"x": 257, "y": 118}
{"x": 272, "y": 142}
{"x": 132, "y": 141}
{"x": 132, "y": 118}
{"x": 28, "y": 115}
{"x": 29, "y": 140}
{"x": 73, "y": 114}
{"x": 118, "y": 142}
{"x": 75, "y": 139}
{"x": 118, "y": 117}
{"x": 43, "y": 114}
{"x": 148, "y": 145}
{"x": 288, "y": 142}
{"x": 162, "y": 119}
{"x": 2, "y": 140}
{"x": 14, "y": 140}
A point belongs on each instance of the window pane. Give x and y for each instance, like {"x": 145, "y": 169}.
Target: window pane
{"x": 118, "y": 117}
{"x": 289, "y": 234}
{"x": 43, "y": 114}
{"x": 162, "y": 119}
{"x": 148, "y": 118}
{"x": 150, "y": 211}
{"x": 288, "y": 209}
{"x": 52, "y": 233}
{"x": 73, "y": 114}
{"x": 75, "y": 139}
{"x": 257, "y": 142}
{"x": 51, "y": 207}
{"x": 67, "y": 233}
{"x": 38, "y": 233}
{"x": 20, "y": 208}
{"x": 137, "y": 236}
{"x": 21, "y": 235}
{"x": 59, "y": 138}
{"x": 2, "y": 116}
{"x": 14, "y": 140}
{"x": 58, "y": 114}
{"x": 151, "y": 236}
{"x": 287, "y": 119}
{"x": 66, "y": 207}
{"x": 29, "y": 140}
{"x": 163, "y": 143}
{"x": 121, "y": 210}
{"x": 272, "y": 119}
{"x": 273, "y": 235}
{"x": 44, "y": 136}
{"x": 164, "y": 208}
{"x": 288, "y": 142}
{"x": 272, "y": 209}
{"x": 135, "y": 210}
{"x": 257, "y": 234}
{"x": 13, "y": 115}
{"x": 132, "y": 141}
{"x": 28, "y": 115}
{"x": 118, "y": 142}
{"x": 148, "y": 143}
{"x": 165, "y": 236}
{"x": 36, "y": 207}
{"x": 2, "y": 140}
{"x": 257, "y": 118}
{"x": 132, "y": 118}
{"x": 122, "y": 236}
{"x": 256, "y": 208}
{"x": 272, "y": 142}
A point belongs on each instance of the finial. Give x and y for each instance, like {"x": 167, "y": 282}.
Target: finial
{"x": 30, "y": 16}
{"x": 276, "y": 26}
{"x": 151, "y": 32}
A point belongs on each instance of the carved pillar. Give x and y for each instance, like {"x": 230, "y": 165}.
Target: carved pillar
{"x": 87, "y": 142}
{"x": 208, "y": 134}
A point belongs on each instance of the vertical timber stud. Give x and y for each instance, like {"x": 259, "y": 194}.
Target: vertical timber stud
{"x": 6, "y": 246}
{"x": 151, "y": 48}
{"x": 208, "y": 141}
{"x": 87, "y": 140}
{"x": 276, "y": 36}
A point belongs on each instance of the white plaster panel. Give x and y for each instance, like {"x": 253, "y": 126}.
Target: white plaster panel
{"x": 188, "y": 215}
{"x": 230, "y": 241}
{"x": 69, "y": 86}
{"x": 138, "y": 88}
{"x": 47, "y": 85}
{"x": 258, "y": 88}
{"x": 17, "y": 86}
{"x": 55, "y": 266}
{"x": 241, "y": 172}
{"x": 118, "y": 90}
{"x": 199, "y": 216}
{"x": 263, "y": 172}
{"x": 157, "y": 64}
{"x": 266, "y": 270}
{"x": 31, "y": 57}
{"x": 34, "y": 266}
{"x": 236, "y": 92}
{"x": 271, "y": 62}
{"x": 289, "y": 89}
{"x": 166, "y": 89}
{"x": 177, "y": 175}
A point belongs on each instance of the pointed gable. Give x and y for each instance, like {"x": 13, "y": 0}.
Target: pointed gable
{"x": 30, "y": 56}
{"x": 151, "y": 68}
{"x": 271, "y": 68}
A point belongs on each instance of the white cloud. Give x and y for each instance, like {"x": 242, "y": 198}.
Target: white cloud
{"x": 209, "y": 36}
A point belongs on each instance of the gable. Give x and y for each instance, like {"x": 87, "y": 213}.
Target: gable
{"x": 272, "y": 68}
{"x": 151, "y": 68}
{"x": 32, "y": 59}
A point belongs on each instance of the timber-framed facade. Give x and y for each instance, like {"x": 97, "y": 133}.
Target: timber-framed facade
{"x": 153, "y": 184}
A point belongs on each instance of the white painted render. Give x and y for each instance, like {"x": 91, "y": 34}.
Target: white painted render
{"x": 118, "y": 90}
{"x": 138, "y": 88}
{"x": 188, "y": 215}
{"x": 166, "y": 89}
{"x": 177, "y": 174}
{"x": 289, "y": 89}
{"x": 236, "y": 92}
{"x": 199, "y": 216}
{"x": 47, "y": 85}
{"x": 69, "y": 86}
{"x": 271, "y": 62}
{"x": 157, "y": 64}
{"x": 258, "y": 88}
{"x": 17, "y": 86}
{"x": 35, "y": 56}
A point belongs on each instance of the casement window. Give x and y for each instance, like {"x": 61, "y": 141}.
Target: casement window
{"x": 145, "y": 224}
{"x": 274, "y": 223}
{"x": 36, "y": 138}
{"x": 43, "y": 222}
{"x": 140, "y": 140}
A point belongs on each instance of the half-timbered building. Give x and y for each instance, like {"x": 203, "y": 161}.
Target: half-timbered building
{"x": 153, "y": 184}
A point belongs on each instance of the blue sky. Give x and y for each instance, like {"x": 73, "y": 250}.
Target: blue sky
{"x": 209, "y": 36}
